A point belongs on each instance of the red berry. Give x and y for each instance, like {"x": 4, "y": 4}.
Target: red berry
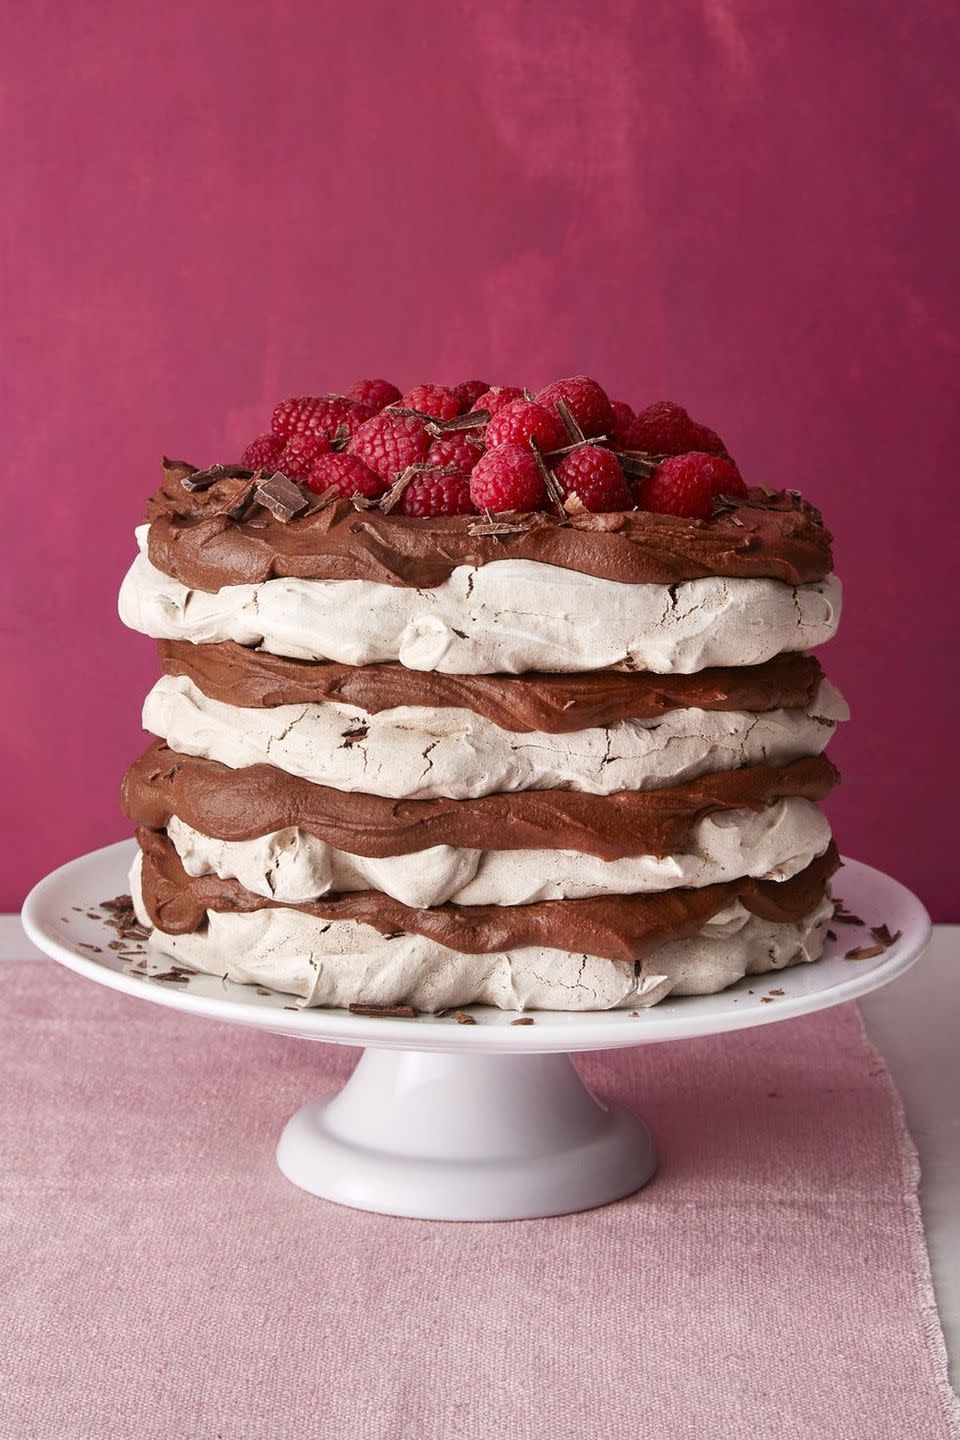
{"x": 508, "y": 478}
{"x": 262, "y": 453}
{"x": 347, "y": 474}
{"x": 496, "y": 397}
{"x": 433, "y": 492}
{"x": 319, "y": 415}
{"x": 595, "y": 477}
{"x": 522, "y": 421}
{"x": 588, "y": 402}
{"x": 298, "y": 455}
{"x": 666, "y": 429}
{"x": 461, "y": 448}
{"x": 623, "y": 419}
{"x": 434, "y": 400}
{"x": 375, "y": 393}
{"x": 469, "y": 391}
{"x": 389, "y": 443}
{"x": 688, "y": 485}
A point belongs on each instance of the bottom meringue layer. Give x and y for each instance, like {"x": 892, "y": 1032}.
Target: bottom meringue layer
{"x": 343, "y": 962}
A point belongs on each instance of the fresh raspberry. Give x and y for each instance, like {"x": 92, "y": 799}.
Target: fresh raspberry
{"x": 522, "y": 421}
{"x": 262, "y": 453}
{"x": 588, "y": 402}
{"x": 462, "y": 448}
{"x": 389, "y": 443}
{"x": 666, "y": 429}
{"x": 469, "y": 391}
{"x": 689, "y": 484}
{"x": 434, "y": 400}
{"x": 496, "y": 397}
{"x": 346, "y": 474}
{"x": 508, "y": 478}
{"x": 375, "y": 393}
{"x": 623, "y": 420}
{"x": 297, "y": 456}
{"x": 595, "y": 477}
{"x": 435, "y": 493}
{"x": 319, "y": 415}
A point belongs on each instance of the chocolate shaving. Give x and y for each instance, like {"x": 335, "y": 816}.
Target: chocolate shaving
{"x": 400, "y": 1012}
{"x": 492, "y": 526}
{"x": 864, "y": 952}
{"x": 473, "y": 420}
{"x": 388, "y": 501}
{"x": 777, "y": 992}
{"x": 462, "y": 1018}
{"x": 551, "y": 484}
{"x": 281, "y": 496}
{"x": 559, "y": 453}
{"x": 86, "y": 945}
{"x": 122, "y": 918}
{"x": 175, "y": 977}
{"x": 766, "y": 999}
{"x": 259, "y": 991}
{"x": 638, "y": 463}
{"x": 203, "y": 479}
{"x": 524, "y": 1020}
{"x": 569, "y": 421}
{"x": 882, "y": 935}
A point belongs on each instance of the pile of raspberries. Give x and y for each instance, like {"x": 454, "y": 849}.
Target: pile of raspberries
{"x": 475, "y": 448}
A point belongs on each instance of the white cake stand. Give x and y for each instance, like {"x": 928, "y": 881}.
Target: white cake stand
{"x": 486, "y": 1121}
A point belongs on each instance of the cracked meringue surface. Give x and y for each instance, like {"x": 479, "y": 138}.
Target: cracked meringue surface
{"x": 506, "y": 617}
{"x": 418, "y": 752}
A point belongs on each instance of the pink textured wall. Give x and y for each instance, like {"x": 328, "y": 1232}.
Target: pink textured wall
{"x": 745, "y": 206}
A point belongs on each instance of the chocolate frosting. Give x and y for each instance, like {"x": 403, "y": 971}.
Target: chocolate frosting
{"x": 194, "y": 539}
{"x": 259, "y": 799}
{"x": 557, "y": 704}
{"x": 617, "y": 927}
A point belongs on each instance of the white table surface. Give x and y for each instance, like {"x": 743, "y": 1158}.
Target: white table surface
{"x": 914, "y": 1024}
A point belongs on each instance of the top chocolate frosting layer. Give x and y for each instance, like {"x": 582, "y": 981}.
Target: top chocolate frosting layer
{"x": 615, "y": 927}
{"x": 195, "y": 539}
{"x": 556, "y": 704}
{"x": 260, "y": 800}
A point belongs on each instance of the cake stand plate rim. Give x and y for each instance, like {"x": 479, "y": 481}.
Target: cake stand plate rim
{"x": 51, "y": 924}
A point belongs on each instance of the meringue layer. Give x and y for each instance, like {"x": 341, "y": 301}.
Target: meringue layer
{"x": 293, "y": 866}
{"x": 338, "y": 963}
{"x": 508, "y": 616}
{"x": 420, "y": 752}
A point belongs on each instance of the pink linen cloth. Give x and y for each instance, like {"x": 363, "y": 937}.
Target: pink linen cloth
{"x": 161, "y": 1280}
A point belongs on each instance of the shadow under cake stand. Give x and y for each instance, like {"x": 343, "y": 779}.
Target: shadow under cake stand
{"x": 442, "y": 1120}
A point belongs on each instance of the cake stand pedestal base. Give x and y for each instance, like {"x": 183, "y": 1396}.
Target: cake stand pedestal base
{"x": 466, "y": 1137}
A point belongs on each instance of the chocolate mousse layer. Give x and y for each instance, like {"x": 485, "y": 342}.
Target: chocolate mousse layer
{"x": 259, "y": 800}
{"x": 619, "y": 927}
{"x": 557, "y": 704}
{"x": 195, "y": 538}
